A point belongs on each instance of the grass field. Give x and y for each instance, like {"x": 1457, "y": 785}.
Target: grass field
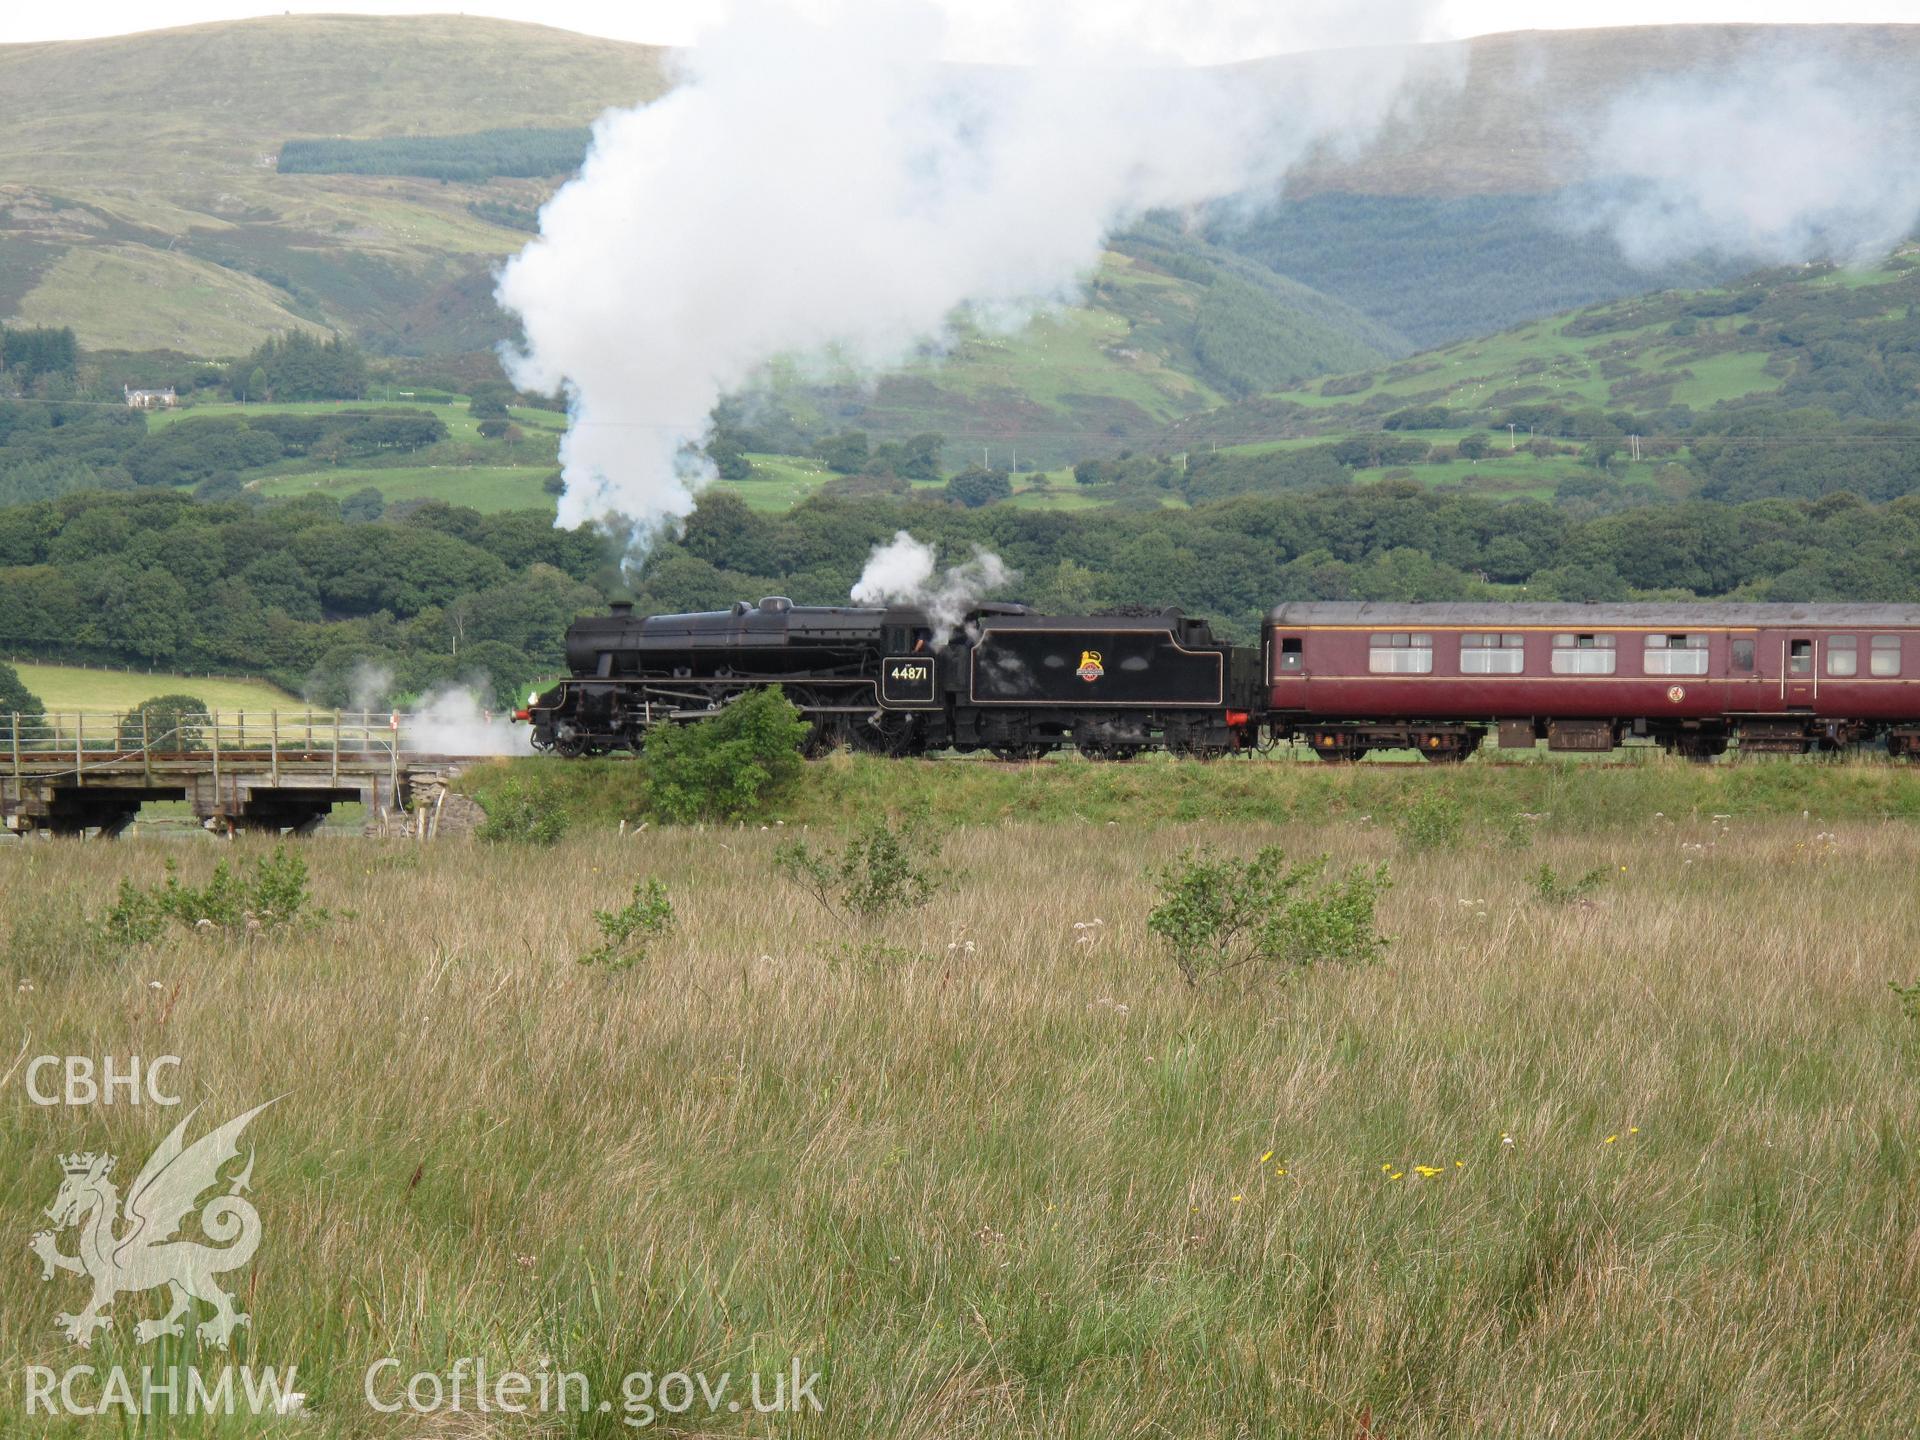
{"x": 483, "y": 487}
{"x": 1019, "y": 1180}
{"x": 72, "y": 687}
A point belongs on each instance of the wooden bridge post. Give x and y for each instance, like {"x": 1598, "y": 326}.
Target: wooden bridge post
{"x": 273, "y": 746}
{"x": 216, "y": 762}
{"x": 16, "y": 744}
{"x": 334, "y": 773}
{"x": 79, "y": 748}
{"x": 146, "y": 748}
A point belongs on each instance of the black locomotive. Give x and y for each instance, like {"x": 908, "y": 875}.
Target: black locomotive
{"x": 897, "y": 682}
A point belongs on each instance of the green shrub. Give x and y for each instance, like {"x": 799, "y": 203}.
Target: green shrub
{"x": 1909, "y": 997}
{"x": 1218, "y": 915}
{"x": 1551, "y": 889}
{"x": 629, "y": 932}
{"x": 880, "y": 872}
{"x": 725, "y": 768}
{"x": 519, "y": 813}
{"x": 1432, "y": 822}
{"x": 165, "y": 722}
{"x": 268, "y": 893}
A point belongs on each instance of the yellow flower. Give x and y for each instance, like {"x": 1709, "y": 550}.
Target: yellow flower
{"x": 1396, "y": 1175}
{"x": 1633, "y": 1129}
{"x": 1459, "y": 1164}
{"x": 1266, "y": 1157}
{"x": 1238, "y": 1198}
{"x": 1280, "y": 1170}
{"x": 1610, "y": 1139}
{"x": 1387, "y": 1166}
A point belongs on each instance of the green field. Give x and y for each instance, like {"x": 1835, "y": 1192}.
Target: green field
{"x": 1632, "y": 1161}
{"x": 72, "y": 687}
{"x": 483, "y": 487}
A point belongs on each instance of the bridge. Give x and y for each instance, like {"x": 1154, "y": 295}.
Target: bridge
{"x": 88, "y": 772}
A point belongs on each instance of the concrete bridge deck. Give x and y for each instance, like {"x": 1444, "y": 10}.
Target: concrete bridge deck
{"x": 74, "y": 773}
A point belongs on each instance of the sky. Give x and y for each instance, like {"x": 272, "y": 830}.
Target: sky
{"x": 977, "y": 25}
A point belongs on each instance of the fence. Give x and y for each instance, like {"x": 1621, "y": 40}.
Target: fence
{"x": 83, "y": 741}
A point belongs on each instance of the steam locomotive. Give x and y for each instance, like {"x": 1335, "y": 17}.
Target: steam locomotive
{"x": 1345, "y": 678}
{"x": 900, "y": 681}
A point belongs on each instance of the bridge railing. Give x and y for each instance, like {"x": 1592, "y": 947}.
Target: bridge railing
{"x": 100, "y": 739}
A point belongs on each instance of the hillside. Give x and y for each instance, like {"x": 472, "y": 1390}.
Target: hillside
{"x": 142, "y": 205}
{"x": 1513, "y": 114}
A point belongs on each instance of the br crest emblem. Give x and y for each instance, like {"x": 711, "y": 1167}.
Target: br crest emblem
{"x": 1090, "y": 667}
{"x": 1676, "y": 693}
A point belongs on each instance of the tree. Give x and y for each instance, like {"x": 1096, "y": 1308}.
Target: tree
{"x": 729, "y": 457}
{"x": 256, "y": 384}
{"x": 41, "y": 350}
{"x": 165, "y": 723}
{"x": 493, "y": 428}
{"x": 1473, "y": 447}
{"x": 489, "y": 400}
{"x": 16, "y": 699}
{"x": 301, "y": 367}
{"x": 363, "y": 505}
{"x": 845, "y": 453}
{"x": 974, "y": 487}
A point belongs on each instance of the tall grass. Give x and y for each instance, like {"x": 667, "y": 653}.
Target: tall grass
{"x": 1015, "y": 1186}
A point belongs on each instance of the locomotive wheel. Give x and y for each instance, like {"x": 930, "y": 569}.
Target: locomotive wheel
{"x": 893, "y": 734}
{"x": 1017, "y": 753}
{"x": 570, "y": 747}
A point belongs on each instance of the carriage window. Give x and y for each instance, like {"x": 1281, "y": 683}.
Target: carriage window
{"x": 1676, "y": 655}
{"x": 1492, "y": 654}
{"x": 1843, "y": 655}
{"x": 1885, "y": 656}
{"x": 1291, "y": 660}
{"x": 1400, "y": 652}
{"x": 1800, "y": 657}
{"x": 1743, "y": 656}
{"x": 1583, "y": 654}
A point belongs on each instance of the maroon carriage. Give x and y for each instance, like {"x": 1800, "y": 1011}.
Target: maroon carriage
{"x": 1354, "y": 677}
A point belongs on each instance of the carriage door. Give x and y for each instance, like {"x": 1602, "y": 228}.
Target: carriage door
{"x": 1743, "y": 682}
{"x": 1799, "y": 672}
{"x": 1287, "y": 664}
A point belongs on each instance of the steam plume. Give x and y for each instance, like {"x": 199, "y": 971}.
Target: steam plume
{"x": 901, "y": 572}
{"x": 1785, "y": 156}
{"x": 815, "y": 188}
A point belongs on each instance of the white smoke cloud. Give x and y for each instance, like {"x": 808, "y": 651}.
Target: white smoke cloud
{"x": 448, "y": 720}
{"x": 823, "y": 186}
{"x": 901, "y": 572}
{"x": 1785, "y": 156}
{"x": 452, "y": 721}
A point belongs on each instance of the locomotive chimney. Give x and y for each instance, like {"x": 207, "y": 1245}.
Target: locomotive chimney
{"x": 621, "y": 609}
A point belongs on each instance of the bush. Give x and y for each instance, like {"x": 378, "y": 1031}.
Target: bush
{"x": 726, "y": 767}
{"x": 1550, "y": 888}
{"x": 1908, "y": 996}
{"x": 974, "y": 487}
{"x": 881, "y": 872}
{"x": 1432, "y": 822}
{"x": 628, "y": 933}
{"x": 523, "y": 814}
{"x": 16, "y": 699}
{"x": 265, "y": 894}
{"x": 166, "y": 723}
{"x": 1218, "y": 915}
